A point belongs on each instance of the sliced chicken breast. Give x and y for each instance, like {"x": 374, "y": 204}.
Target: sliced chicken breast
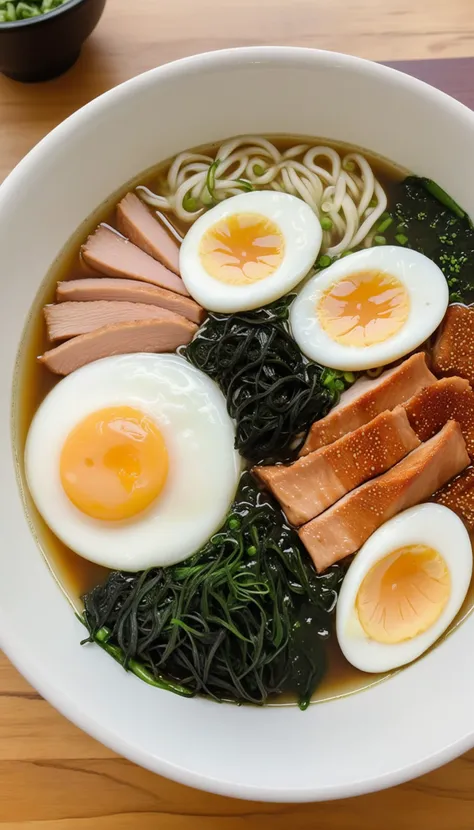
{"x": 345, "y": 527}
{"x": 138, "y": 224}
{"x": 112, "y": 255}
{"x": 131, "y": 291}
{"x": 120, "y": 338}
{"x": 64, "y": 320}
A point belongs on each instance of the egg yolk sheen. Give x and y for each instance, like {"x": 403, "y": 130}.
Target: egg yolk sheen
{"x": 114, "y": 463}
{"x": 403, "y": 594}
{"x": 242, "y": 249}
{"x": 364, "y": 309}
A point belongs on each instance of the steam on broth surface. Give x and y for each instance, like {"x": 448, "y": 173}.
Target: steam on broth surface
{"x": 271, "y": 640}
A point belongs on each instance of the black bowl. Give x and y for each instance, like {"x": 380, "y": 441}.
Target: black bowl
{"x": 46, "y": 46}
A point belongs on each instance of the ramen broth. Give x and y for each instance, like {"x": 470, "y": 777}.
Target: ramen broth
{"x": 76, "y": 575}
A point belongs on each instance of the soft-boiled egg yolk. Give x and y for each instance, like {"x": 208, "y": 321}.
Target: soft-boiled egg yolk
{"x": 364, "y": 308}
{"x": 114, "y": 463}
{"x": 403, "y": 594}
{"x": 242, "y": 248}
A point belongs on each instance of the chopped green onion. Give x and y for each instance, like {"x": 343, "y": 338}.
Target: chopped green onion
{"x": 211, "y": 177}
{"x": 11, "y": 13}
{"x": 374, "y": 373}
{"x": 380, "y": 240}
{"x": 349, "y": 166}
{"x": 234, "y": 523}
{"x": 345, "y": 253}
{"x": 190, "y": 203}
{"x": 245, "y": 184}
{"x": 385, "y": 224}
{"x": 252, "y": 550}
{"x": 349, "y": 377}
{"x": 258, "y": 170}
{"x": 373, "y": 202}
{"x": 26, "y": 10}
{"x": 401, "y": 238}
{"x": 326, "y": 223}
{"x": 324, "y": 261}
{"x": 3, "y": 17}
{"x": 442, "y": 197}
{"x": 401, "y": 227}
{"x": 206, "y": 198}
{"x": 339, "y": 385}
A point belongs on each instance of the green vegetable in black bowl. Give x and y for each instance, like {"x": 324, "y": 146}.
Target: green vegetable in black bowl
{"x": 40, "y": 39}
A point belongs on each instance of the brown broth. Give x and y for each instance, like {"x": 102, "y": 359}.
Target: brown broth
{"x": 74, "y": 574}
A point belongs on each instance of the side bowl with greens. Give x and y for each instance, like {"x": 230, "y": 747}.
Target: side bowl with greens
{"x": 40, "y": 39}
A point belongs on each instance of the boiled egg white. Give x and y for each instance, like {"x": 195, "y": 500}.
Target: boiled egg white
{"x": 131, "y": 461}
{"x": 369, "y": 308}
{"x": 249, "y": 250}
{"x": 404, "y": 588}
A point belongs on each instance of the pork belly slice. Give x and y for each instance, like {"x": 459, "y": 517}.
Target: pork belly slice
{"x": 112, "y": 255}
{"x": 318, "y": 480}
{"x": 132, "y": 291}
{"x": 120, "y": 338}
{"x": 345, "y": 527}
{"x": 458, "y": 495}
{"x": 453, "y": 352}
{"x": 368, "y": 398}
{"x": 447, "y": 399}
{"x": 65, "y": 320}
{"x": 136, "y": 222}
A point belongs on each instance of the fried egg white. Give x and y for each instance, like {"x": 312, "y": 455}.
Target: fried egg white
{"x": 249, "y": 250}
{"x": 404, "y": 588}
{"x": 131, "y": 461}
{"x": 369, "y": 308}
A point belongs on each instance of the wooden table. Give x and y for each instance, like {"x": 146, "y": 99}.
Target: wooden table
{"x": 53, "y": 776}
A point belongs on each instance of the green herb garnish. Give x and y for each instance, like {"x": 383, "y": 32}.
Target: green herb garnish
{"x": 427, "y": 220}
{"x": 243, "y": 619}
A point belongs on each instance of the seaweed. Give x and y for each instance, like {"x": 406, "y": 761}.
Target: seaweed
{"x": 244, "y": 619}
{"x": 273, "y": 393}
{"x": 429, "y": 221}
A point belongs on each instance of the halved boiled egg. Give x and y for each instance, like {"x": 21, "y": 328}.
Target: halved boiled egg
{"x": 131, "y": 461}
{"x": 370, "y": 308}
{"x": 404, "y": 588}
{"x": 249, "y": 250}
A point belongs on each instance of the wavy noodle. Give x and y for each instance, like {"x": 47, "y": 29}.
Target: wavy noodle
{"x": 342, "y": 188}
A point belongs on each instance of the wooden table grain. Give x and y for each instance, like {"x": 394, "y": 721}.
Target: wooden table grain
{"x": 52, "y": 775}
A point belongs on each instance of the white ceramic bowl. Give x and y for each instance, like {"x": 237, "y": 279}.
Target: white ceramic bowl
{"x": 415, "y": 721}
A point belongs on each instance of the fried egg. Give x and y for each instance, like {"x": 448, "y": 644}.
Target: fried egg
{"x": 404, "y": 588}
{"x": 370, "y": 308}
{"x": 131, "y": 461}
{"x": 249, "y": 250}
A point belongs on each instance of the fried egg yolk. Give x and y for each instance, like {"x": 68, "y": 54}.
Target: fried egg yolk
{"x": 403, "y": 594}
{"x": 242, "y": 249}
{"x": 114, "y": 463}
{"x": 363, "y": 309}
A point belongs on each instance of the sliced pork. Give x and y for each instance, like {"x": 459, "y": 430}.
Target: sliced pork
{"x": 447, "y": 399}
{"x": 453, "y": 352}
{"x": 345, "y": 527}
{"x": 131, "y": 291}
{"x": 368, "y": 398}
{"x": 318, "y": 480}
{"x": 458, "y": 495}
{"x": 65, "y": 320}
{"x": 120, "y": 338}
{"x": 112, "y": 255}
{"x": 136, "y": 222}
